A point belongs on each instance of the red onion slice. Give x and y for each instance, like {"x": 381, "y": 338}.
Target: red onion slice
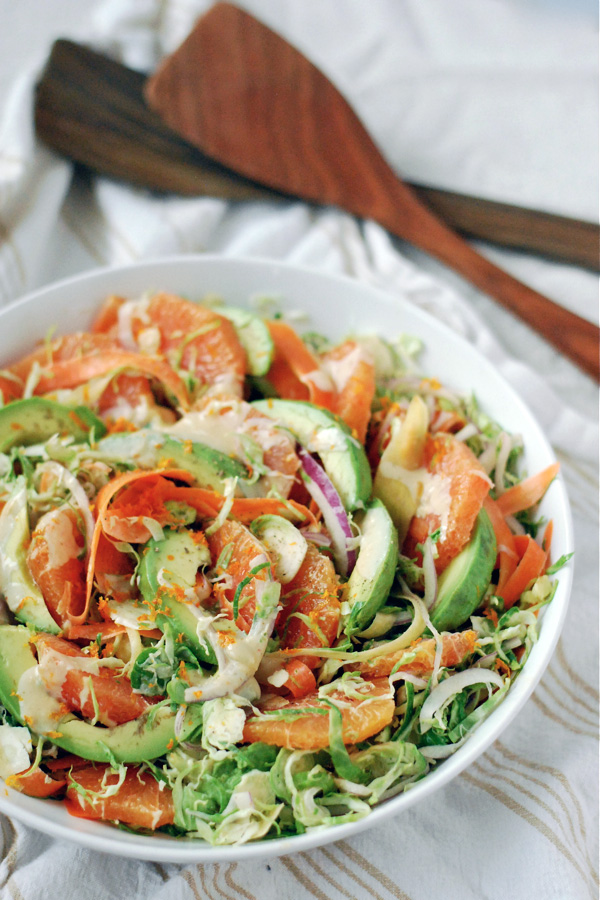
{"x": 320, "y": 538}
{"x": 321, "y": 489}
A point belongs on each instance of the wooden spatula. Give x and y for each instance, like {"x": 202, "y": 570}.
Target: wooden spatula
{"x": 252, "y": 102}
{"x": 91, "y": 109}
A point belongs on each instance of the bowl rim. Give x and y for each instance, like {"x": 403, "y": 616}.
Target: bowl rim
{"x": 105, "y": 838}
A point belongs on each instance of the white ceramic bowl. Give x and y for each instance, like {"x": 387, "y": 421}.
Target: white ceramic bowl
{"x": 335, "y": 306}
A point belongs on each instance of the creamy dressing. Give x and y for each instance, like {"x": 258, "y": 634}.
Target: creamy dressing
{"x": 217, "y": 425}
{"x": 435, "y": 500}
{"x": 129, "y": 614}
{"x": 54, "y": 667}
{"x": 341, "y": 370}
{"x": 319, "y": 378}
{"x": 222, "y": 424}
{"x": 59, "y": 537}
{"x": 38, "y": 708}
{"x": 430, "y": 490}
{"x": 15, "y": 747}
{"x": 324, "y": 440}
{"x": 149, "y": 340}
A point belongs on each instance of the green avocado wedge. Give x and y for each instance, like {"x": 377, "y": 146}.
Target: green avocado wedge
{"x": 373, "y": 575}
{"x": 463, "y": 582}
{"x": 284, "y": 543}
{"x": 168, "y": 571}
{"x": 145, "y": 738}
{"x": 253, "y": 335}
{"x": 36, "y": 419}
{"x": 149, "y": 449}
{"x": 320, "y": 431}
{"x": 23, "y": 596}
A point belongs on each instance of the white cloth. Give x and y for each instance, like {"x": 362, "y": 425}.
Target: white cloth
{"x": 493, "y": 98}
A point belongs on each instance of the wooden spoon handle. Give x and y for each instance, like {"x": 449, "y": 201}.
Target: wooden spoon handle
{"x": 557, "y": 237}
{"x": 91, "y": 109}
{"x": 576, "y": 337}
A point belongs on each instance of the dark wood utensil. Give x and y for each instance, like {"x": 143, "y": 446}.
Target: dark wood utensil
{"x": 91, "y": 109}
{"x": 250, "y": 100}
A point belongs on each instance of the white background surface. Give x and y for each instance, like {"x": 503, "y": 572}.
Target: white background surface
{"x": 491, "y": 97}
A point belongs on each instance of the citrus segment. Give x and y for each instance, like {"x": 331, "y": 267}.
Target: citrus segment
{"x": 197, "y": 339}
{"x": 353, "y": 374}
{"x": 463, "y": 485}
{"x": 55, "y": 561}
{"x": 138, "y": 802}
{"x": 235, "y": 553}
{"x": 311, "y": 607}
{"x": 420, "y": 657}
{"x": 35, "y": 783}
{"x": 106, "y": 696}
{"x": 361, "y": 718}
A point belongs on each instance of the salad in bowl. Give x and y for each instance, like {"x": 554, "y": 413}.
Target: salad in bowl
{"x": 255, "y": 581}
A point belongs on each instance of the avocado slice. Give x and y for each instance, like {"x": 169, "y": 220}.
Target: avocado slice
{"x": 167, "y": 572}
{"x": 463, "y": 582}
{"x": 36, "y": 419}
{"x": 148, "y": 449}
{"x": 373, "y": 575}
{"x": 254, "y": 336}
{"x": 285, "y": 545}
{"x": 145, "y": 738}
{"x": 22, "y": 595}
{"x": 322, "y": 432}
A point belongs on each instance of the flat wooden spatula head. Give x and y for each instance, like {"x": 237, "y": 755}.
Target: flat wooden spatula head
{"x": 252, "y": 102}
{"x": 247, "y": 98}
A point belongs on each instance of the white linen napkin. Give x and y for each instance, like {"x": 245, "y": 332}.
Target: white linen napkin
{"x": 522, "y": 821}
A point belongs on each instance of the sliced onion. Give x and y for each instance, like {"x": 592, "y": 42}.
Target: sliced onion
{"x": 453, "y": 685}
{"x": 429, "y": 575}
{"x": 321, "y": 489}
{"x": 484, "y": 662}
{"x": 501, "y": 460}
{"x": 124, "y": 325}
{"x": 467, "y": 431}
{"x": 243, "y": 800}
{"x": 317, "y": 537}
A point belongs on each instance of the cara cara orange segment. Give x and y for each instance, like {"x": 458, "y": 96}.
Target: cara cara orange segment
{"x": 420, "y": 658}
{"x": 311, "y": 607}
{"x": 138, "y": 802}
{"x": 56, "y": 564}
{"x": 353, "y": 373}
{"x": 193, "y": 337}
{"x": 460, "y": 473}
{"x": 309, "y": 730}
{"x": 235, "y": 552}
{"x": 107, "y": 695}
